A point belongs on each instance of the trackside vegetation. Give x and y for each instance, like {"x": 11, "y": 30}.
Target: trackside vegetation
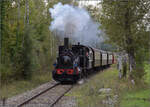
{"x": 126, "y": 25}
{"x": 18, "y": 87}
{"x": 123, "y": 93}
{"x": 27, "y": 47}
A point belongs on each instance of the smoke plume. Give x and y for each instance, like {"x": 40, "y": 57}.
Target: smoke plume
{"x": 75, "y": 23}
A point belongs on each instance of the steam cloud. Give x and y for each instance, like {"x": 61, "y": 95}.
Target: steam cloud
{"x": 75, "y": 23}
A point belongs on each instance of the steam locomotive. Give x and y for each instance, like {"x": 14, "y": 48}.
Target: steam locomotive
{"x": 74, "y": 62}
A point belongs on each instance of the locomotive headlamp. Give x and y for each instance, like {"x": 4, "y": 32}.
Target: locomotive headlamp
{"x": 60, "y": 71}
{"x": 66, "y": 59}
{"x": 70, "y": 71}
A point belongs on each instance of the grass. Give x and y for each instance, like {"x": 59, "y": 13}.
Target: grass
{"x": 147, "y": 76}
{"x": 20, "y": 86}
{"x": 129, "y": 95}
{"x": 139, "y": 98}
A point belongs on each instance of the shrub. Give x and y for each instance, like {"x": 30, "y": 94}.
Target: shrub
{"x": 147, "y": 76}
{"x": 6, "y": 74}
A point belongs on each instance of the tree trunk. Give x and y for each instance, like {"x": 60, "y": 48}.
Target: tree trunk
{"x": 124, "y": 66}
{"x": 129, "y": 40}
{"x": 26, "y": 18}
{"x": 27, "y": 7}
{"x": 132, "y": 63}
{"x": 18, "y": 19}
{"x": 1, "y": 28}
{"x": 119, "y": 63}
{"x": 149, "y": 44}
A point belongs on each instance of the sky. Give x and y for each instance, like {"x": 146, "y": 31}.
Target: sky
{"x": 88, "y": 2}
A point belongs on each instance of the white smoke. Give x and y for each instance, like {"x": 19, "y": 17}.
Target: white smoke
{"x": 75, "y": 23}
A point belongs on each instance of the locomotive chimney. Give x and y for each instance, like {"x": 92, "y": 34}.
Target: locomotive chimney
{"x": 66, "y": 42}
{"x": 78, "y": 43}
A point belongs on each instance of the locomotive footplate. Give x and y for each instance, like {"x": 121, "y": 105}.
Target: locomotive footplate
{"x": 66, "y": 77}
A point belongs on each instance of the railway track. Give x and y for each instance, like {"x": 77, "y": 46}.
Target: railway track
{"x": 47, "y": 94}
{"x": 52, "y": 105}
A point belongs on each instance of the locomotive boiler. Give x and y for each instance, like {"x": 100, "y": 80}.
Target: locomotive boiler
{"x": 75, "y": 61}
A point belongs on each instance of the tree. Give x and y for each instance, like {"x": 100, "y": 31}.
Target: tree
{"x": 124, "y": 23}
{"x": 2, "y": 14}
{"x": 25, "y": 38}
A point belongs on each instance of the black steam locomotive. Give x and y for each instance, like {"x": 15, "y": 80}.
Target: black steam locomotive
{"x": 77, "y": 60}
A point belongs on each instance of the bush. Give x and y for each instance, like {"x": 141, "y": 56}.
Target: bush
{"x": 147, "y": 76}
{"x": 27, "y": 55}
{"x": 6, "y": 74}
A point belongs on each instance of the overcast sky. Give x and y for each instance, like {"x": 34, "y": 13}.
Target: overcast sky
{"x": 88, "y": 2}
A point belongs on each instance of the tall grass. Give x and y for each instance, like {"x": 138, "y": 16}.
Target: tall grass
{"x": 147, "y": 70}
{"x": 18, "y": 87}
{"x": 129, "y": 95}
{"x": 6, "y": 74}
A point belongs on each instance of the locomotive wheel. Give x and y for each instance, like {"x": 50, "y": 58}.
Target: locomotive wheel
{"x": 74, "y": 81}
{"x": 81, "y": 76}
{"x": 85, "y": 73}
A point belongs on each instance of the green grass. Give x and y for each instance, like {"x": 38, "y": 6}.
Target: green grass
{"x": 147, "y": 76}
{"x": 130, "y": 95}
{"x": 20, "y": 86}
{"x": 87, "y": 94}
{"x": 140, "y": 98}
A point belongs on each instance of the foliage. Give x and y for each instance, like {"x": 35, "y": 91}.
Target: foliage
{"x": 26, "y": 54}
{"x": 140, "y": 98}
{"x": 147, "y": 76}
{"x": 125, "y": 23}
{"x": 5, "y": 73}
{"x": 114, "y": 21}
{"x": 17, "y": 87}
{"x": 26, "y": 47}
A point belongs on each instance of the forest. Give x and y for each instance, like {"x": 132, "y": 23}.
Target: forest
{"x": 27, "y": 45}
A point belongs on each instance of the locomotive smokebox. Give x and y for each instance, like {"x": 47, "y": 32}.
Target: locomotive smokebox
{"x": 66, "y": 42}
